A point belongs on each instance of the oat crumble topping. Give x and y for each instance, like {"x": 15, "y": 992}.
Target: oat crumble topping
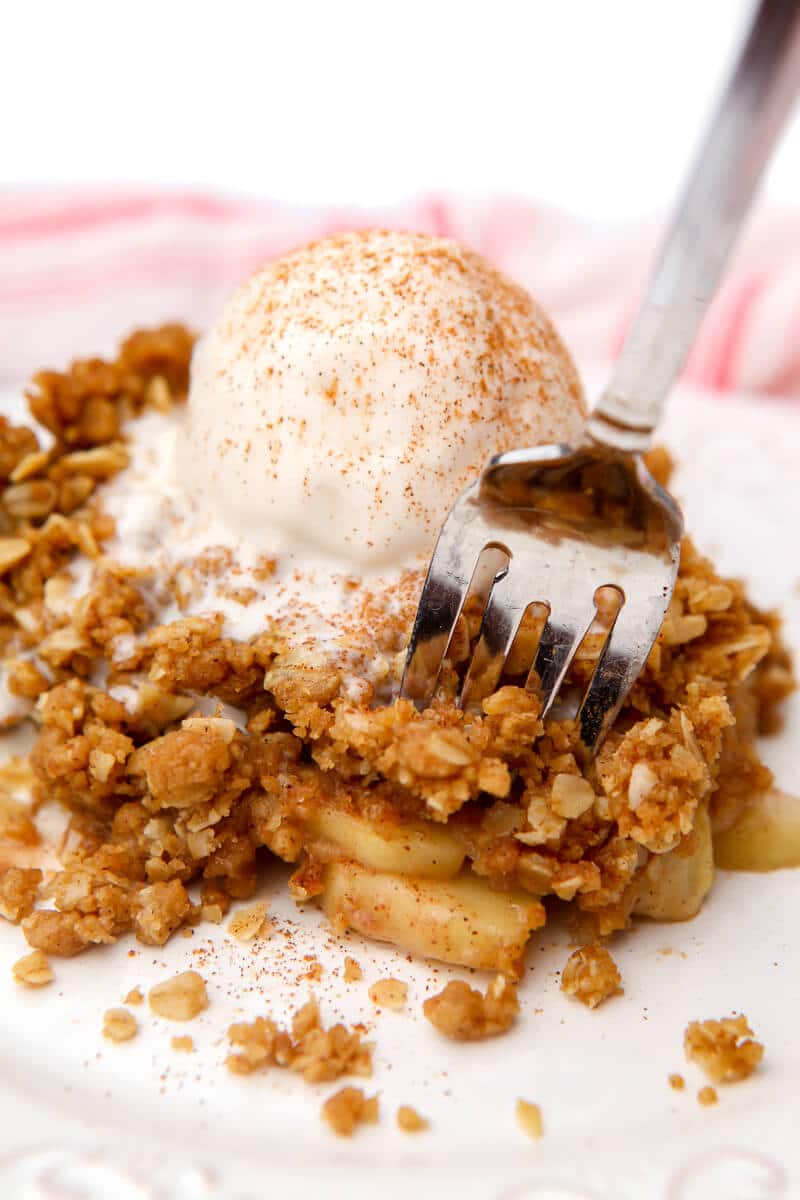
{"x": 707, "y": 1095}
{"x": 464, "y": 1015}
{"x": 410, "y": 1121}
{"x": 33, "y": 970}
{"x": 726, "y": 1049}
{"x": 19, "y": 889}
{"x": 352, "y": 972}
{"x": 135, "y": 996}
{"x": 179, "y": 999}
{"x": 119, "y": 1025}
{"x": 347, "y": 1109}
{"x": 591, "y": 975}
{"x": 182, "y": 1045}
{"x": 389, "y": 993}
{"x": 316, "y": 1053}
{"x": 677, "y": 1082}
{"x": 250, "y": 923}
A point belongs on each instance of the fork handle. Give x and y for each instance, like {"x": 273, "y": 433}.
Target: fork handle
{"x": 737, "y": 146}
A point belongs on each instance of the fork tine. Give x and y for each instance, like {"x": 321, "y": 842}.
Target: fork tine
{"x": 446, "y": 587}
{"x": 621, "y": 659}
{"x": 439, "y": 608}
{"x": 557, "y": 645}
{"x": 501, "y": 620}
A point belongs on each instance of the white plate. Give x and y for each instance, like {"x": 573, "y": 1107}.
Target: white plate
{"x": 83, "y": 1118}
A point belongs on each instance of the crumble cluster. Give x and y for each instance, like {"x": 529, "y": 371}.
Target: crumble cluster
{"x": 726, "y": 1049}
{"x": 318, "y": 1054}
{"x": 348, "y": 1108}
{"x": 464, "y": 1015}
{"x": 591, "y": 976}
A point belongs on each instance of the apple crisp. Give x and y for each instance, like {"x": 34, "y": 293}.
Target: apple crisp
{"x": 183, "y": 754}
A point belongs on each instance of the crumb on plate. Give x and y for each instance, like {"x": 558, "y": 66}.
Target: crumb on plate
{"x": 591, "y": 975}
{"x": 33, "y": 970}
{"x": 352, "y": 972}
{"x": 19, "y": 889}
{"x": 529, "y": 1119}
{"x": 180, "y": 998}
{"x": 389, "y": 993}
{"x": 318, "y": 1054}
{"x": 726, "y": 1049}
{"x": 410, "y": 1121}
{"x": 463, "y": 1014}
{"x": 348, "y": 1108}
{"x": 249, "y": 923}
{"x": 119, "y": 1025}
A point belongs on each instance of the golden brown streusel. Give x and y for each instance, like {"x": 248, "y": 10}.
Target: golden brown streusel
{"x": 348, "y": 1108}
{"x": 591, "y": 975}
{"x": 707, "y": 1095}
{"x": 318, "y": 1054}
{"x": 726, "y": 1049}
{"x": 410, "y": 1121}
{"x": 351, "y": 972}
{"x": 182, "y": 1045}
{"x": 135, "y": 996}
{"x": 463, "y": 1014}
{"x": 19, "y": 888}
{"x": 389, "y": 993}
{"x": 119, "y": 1025}
{"x": 159, "y": 909}
{"x": 33, "y": 970}
{"x": 529, "y": 1119}
{"x": 250, "y": 923}
{"x": 677, "y": 1082}
{"x": 16, "y": 822}
{"x": 179, "y": 999}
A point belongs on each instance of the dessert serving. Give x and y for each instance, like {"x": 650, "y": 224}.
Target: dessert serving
{"x": 211, "y": 557}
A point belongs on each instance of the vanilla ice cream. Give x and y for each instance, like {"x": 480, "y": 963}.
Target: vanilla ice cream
{"x": 343, "y": 399}
{"x": 350, "y": 390}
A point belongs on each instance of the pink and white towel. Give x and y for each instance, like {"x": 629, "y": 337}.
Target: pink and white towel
{"x": 78, "y": 269}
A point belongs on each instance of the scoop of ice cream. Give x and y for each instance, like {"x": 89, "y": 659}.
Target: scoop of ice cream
{"x": 350, "y": 390}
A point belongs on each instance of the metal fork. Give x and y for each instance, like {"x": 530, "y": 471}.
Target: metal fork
{"x": 554, "y": 524}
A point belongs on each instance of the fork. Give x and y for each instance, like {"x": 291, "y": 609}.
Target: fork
{"x": 554, "y": 525}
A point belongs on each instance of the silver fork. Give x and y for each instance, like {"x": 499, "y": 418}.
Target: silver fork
{"x": 552, "y": 525}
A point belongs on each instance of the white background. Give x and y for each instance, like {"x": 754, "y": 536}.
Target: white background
{"x": 587, "y": 104}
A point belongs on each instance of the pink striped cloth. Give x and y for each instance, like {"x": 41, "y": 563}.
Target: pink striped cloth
{"x": 79, "y": 268}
